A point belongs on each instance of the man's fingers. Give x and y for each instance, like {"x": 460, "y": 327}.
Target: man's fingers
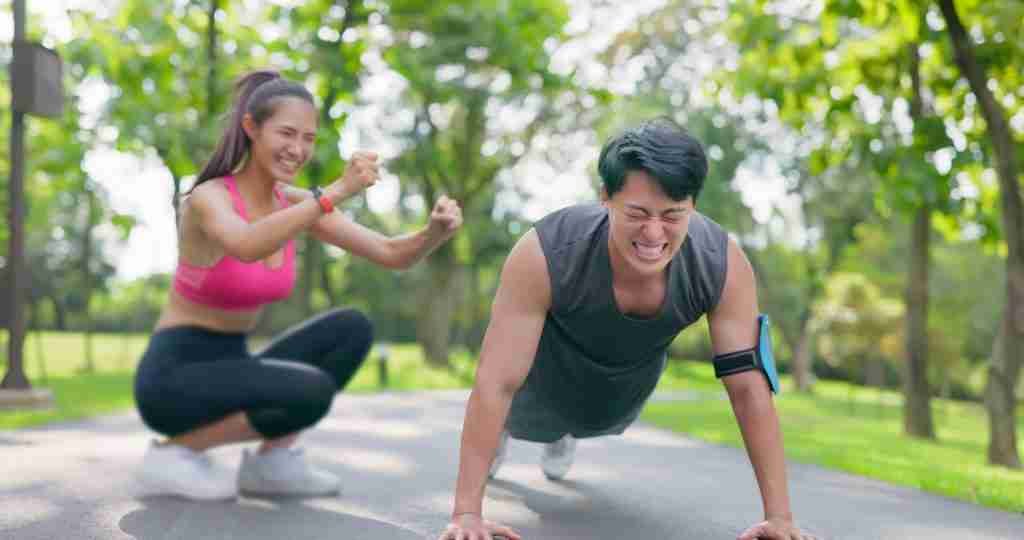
{"x": 508, "y": 533}
{"x": 751, "y": 533}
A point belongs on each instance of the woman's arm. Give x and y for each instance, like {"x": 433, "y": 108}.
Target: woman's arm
{"x": 248, "y": 242}
{"x": 395, "y": 252}
{"x": 258, "y": 240}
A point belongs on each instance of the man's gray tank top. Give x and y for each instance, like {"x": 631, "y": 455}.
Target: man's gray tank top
{"x": 596, "y": 366}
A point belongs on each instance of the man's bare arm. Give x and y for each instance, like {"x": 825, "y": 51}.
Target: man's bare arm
{"x": 733, "y": 326}
{"x": 510, "y": 343}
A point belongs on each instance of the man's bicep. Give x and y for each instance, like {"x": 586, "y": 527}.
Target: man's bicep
{"x": 517, "y": 317}
{"x": 733, "y": 323}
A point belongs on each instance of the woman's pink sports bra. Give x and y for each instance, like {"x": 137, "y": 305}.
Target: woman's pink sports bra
{"x": 232, "y": 284}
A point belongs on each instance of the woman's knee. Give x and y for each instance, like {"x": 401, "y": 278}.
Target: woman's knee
{"x": 354, "y": 331}
{"x": 353, "y": 323}
{"x": 306, "y": 406}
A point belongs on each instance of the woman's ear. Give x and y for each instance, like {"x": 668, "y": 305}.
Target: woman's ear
{"x": 249, "y": 126}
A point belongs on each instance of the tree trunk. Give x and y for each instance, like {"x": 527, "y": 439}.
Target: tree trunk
{"x": 874, "y": 373}
{"x": 1006, "y": 359}
{"x": 325, "y": 277}
{"x": 434, "y": 324}
{"x": 211, "y": 59}
{"x": 59, "y": 313}
{"x": 87, "y": 249}
{"x": 309, "y": 266}
{"x": 472, "y": 335}
{"x": 802, "y": 376}
{"x": 176, "y": 201}
{"x": 40, "y": 355}
{"x": 917, "y": 412}
{"x": 1000, "y": 402}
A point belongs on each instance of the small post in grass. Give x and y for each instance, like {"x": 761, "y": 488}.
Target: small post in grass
{"x": 383, "y": 351}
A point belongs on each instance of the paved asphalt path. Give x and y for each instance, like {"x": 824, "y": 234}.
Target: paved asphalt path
{"x": 397, "y": 456}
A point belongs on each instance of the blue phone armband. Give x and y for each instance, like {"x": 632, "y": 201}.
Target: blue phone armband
{"x": 760, "y": 357}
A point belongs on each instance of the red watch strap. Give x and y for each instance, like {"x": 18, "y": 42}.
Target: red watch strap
{"x": 325, "y": 204}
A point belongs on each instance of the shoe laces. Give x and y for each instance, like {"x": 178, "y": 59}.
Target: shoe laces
{"x": 558, "y": 448}
{"x": 202, "y": 459}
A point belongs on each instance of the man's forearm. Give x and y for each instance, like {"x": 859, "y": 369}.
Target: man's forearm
{"x": 485, "y": 418}
{"x": 759, "y": 424}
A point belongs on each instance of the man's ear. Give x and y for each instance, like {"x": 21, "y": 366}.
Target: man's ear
{"x": 603, "y": 194}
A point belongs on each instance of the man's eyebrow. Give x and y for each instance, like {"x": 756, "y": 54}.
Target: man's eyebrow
{"x": 673, "y": 210}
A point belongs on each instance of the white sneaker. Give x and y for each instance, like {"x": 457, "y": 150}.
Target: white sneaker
{"x": 283, "y": 471}
{"x": 499, "y": 455}
{"x": 171, "y": 469}
{"x": 557, "y": 457}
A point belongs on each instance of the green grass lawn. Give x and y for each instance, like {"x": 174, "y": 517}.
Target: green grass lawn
{"x": 76, "y": 397}
{"x": 859, "y": 430}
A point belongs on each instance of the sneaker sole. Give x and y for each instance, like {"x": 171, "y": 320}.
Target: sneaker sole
{"x": 152, "y": 489}
{"x": 288, "y": 494}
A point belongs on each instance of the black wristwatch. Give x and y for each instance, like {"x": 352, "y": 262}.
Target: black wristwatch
{"x": 325, "y": 204}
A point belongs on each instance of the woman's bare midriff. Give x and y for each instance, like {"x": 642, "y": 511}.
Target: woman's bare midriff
{"x": 182, "y": 312}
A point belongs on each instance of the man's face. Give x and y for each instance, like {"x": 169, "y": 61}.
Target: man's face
{"x": 647, "y": 227}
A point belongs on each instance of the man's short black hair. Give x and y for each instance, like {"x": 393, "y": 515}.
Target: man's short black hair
{"x": 662, "y": 149}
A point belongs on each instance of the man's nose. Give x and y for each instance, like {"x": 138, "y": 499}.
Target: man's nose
{"x": 652, "y": 230}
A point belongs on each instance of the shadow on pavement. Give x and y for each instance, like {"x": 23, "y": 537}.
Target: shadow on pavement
{"x": 168, "y": 517}
{"x": 9, "y": 441}
{"x": 577, "y": 509}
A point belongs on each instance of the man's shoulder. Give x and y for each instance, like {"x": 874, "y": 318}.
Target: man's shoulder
{"x": 704, "y": 263}
{"x": 706, "y": 236}
{"x": 570, "y": 225}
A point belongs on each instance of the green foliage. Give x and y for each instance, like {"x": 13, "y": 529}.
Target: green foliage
{"x": 468, "y": 66}
{"x": 856, "y": 323}
{"x": 169, "y": 86}
{"x": 962, "y": 319}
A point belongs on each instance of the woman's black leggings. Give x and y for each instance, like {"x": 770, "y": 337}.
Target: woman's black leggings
{"x": 190, "y": 376}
